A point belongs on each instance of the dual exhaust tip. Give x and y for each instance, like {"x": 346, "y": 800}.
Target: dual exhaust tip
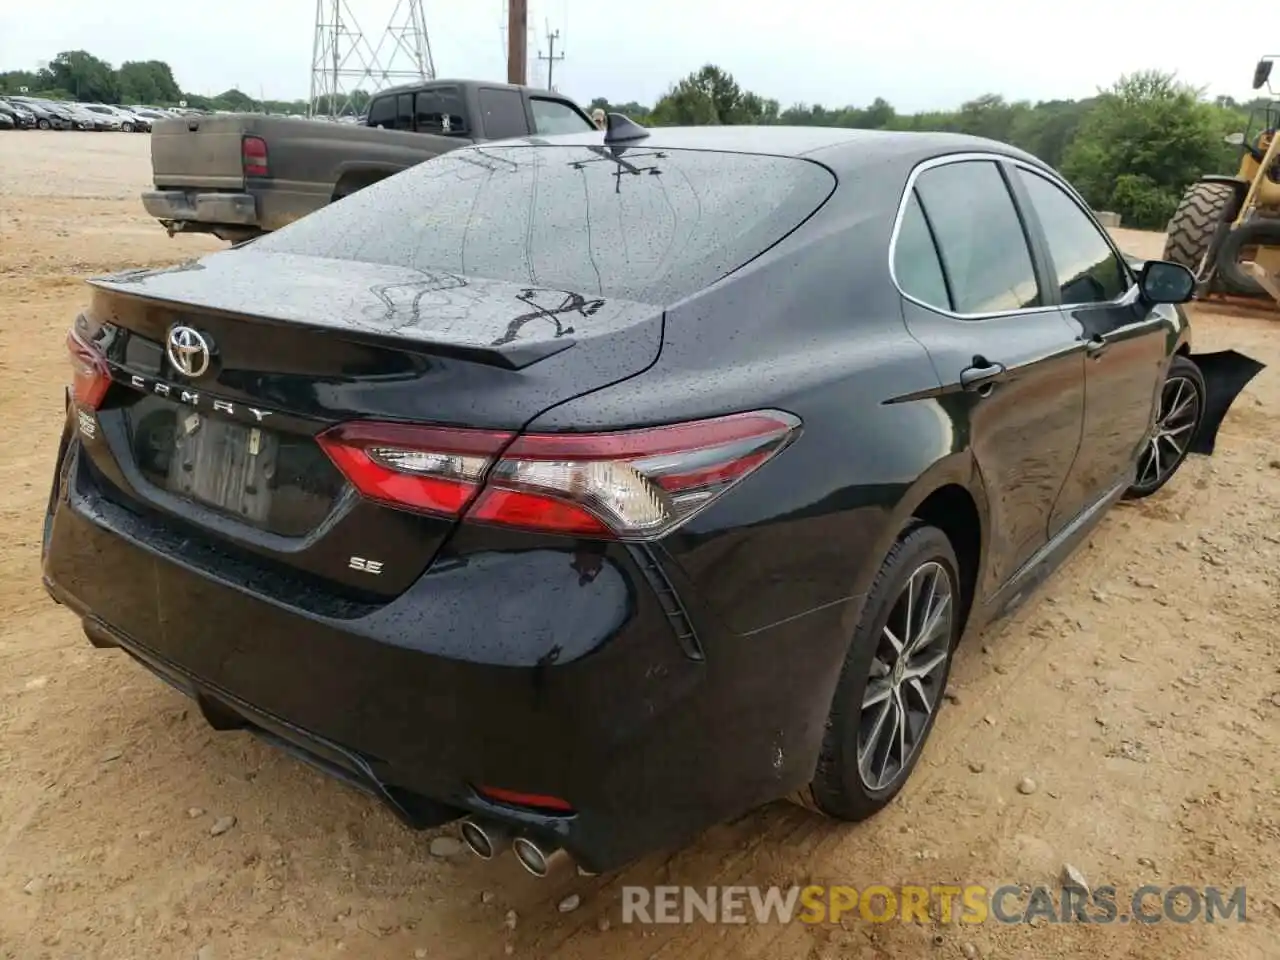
{"x": 487, "y": 840}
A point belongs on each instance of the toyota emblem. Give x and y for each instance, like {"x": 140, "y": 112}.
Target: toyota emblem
{"x": 189, "y": 351}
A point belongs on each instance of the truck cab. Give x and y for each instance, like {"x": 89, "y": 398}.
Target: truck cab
{"x": 455, "y": 108}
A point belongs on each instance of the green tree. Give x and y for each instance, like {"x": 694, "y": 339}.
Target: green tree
{"x": 12, "y": 81}
{"x": 711, "y": 96}
{"x": 1140, "y": 145}
{"x": 147, "y": 81}
{"x": 82, "y": 74}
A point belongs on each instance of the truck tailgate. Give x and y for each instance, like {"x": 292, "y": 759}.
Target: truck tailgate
{"x": 198, "y": 152}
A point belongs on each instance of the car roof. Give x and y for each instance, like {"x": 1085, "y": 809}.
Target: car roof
{"x": 843, "y": 150}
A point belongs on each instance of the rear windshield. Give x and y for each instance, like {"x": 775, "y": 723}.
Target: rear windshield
{"x": 653, "y": 226}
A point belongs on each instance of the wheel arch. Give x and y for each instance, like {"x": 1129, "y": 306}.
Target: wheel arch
{"x": 952, "y": 496}
{"x": 353, "y": 179}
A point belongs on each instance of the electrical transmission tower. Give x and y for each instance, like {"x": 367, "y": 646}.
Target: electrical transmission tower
{"x": 343, "y": 60}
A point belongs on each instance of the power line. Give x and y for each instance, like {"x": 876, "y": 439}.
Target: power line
{"x": 551, "y": 57}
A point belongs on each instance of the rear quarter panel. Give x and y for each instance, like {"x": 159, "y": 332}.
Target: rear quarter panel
{"x": 814, "y": 327}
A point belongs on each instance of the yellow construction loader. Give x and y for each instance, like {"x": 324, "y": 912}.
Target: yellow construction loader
{"x": 1226, "y": 229}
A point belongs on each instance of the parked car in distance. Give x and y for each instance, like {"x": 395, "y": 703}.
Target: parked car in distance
{"x": 79, "y": 118}
{"x": 18, "y": 115}
{"x": 48, "y": 116}
{"x": 106, "y": 118}
{"x": 239, "y": 175}
{"x": 597, "y": 488}
{"x": 151, "y": 115}
{"x": 7, "y": 120}
{"x": 132, "y": 122}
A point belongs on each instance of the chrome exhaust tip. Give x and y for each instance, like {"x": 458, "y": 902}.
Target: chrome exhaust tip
{"x": 537, "y": 859}
{"x": 485, "y": 840}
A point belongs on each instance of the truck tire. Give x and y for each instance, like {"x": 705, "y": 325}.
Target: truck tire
{"x": 1205, "y": 205}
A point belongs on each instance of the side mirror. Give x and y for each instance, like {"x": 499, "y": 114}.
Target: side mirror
{"x": 1234, "y": 139}
{"x": 1162, "y": 281}
{"x": 1261, "y": 73}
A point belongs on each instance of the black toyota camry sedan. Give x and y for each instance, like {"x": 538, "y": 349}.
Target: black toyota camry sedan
{"x": 590, "y": 490}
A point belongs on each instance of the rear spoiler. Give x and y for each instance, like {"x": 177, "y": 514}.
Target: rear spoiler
{"x": 514, "y": 355}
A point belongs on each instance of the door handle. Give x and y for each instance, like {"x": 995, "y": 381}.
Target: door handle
{"x": 982, "y": 377}
{"x": 1096, "y": 346}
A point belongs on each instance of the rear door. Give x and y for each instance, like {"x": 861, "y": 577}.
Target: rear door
{"x": 502, "y": 113}
{"x": 1126, "y": 342}
{"x": 982, "y": 305}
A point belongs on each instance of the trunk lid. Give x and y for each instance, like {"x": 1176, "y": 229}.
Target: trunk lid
{"x": 297, "y": 344}
{"x": 198, "y": 152}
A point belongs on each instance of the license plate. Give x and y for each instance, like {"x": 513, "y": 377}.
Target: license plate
{"x": 226, "y": 465}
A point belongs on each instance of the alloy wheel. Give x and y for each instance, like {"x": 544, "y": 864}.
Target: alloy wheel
{"x": 906, "y": 676}
{"x": 1175, "y": 425}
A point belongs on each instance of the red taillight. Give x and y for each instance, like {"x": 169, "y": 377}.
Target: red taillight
{"x": 534, "y": 801}
{"x": 627, "y": 485}
{"x": 253, "y": 154}
{"x": 90, "y": 376}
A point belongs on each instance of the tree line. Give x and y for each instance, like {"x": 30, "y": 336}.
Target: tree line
{"x": 1132, "y": 148}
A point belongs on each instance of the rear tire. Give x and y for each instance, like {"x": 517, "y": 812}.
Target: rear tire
{"x": 42, "y": 124}
{"x": 860, "y": 770}
{"x": 1203, "y": 207}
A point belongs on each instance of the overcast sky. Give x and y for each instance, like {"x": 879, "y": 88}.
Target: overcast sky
{"x": 833, "y": 52}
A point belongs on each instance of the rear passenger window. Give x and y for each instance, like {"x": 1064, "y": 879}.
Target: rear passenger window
{"x": 915, "y": 260}
{"x": 980, "y": 240}
{"x": 439, "y": 111}
{"x": 503, "y": 112}
{"x": 1088, "y": 269}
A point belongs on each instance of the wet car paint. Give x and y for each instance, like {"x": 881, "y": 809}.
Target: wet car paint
{"x": 659, "y": 687}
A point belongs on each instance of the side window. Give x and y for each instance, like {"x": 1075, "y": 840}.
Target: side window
{"x": 439, "y": 111}
{"x": 980, "y": 239}
{"x": 503, "y": 112}
{"x": 1088, "y": 269}
{"x": 554, "y": 116}
{"x": 915, "y": 259}
{"x": 382, "y": 112}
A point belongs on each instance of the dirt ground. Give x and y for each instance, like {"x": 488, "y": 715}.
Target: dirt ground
{"x": 1140, "y": 690}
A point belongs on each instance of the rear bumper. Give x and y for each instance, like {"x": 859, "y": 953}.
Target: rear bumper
{"x": 237, "y": 209}
{"x": 438, "y": 692}
{"x": 273, "y": 205}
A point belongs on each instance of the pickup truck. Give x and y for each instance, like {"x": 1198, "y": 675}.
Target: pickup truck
{"x": 241, "y": 175}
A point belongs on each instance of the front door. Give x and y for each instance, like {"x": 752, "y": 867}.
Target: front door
{"x": 1125, "y": 342}
{"x": 1004, "y": 352}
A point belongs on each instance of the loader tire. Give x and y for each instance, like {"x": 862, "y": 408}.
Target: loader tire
{"x": 1205, "y": 205}
{"x": 1264, "y": 233}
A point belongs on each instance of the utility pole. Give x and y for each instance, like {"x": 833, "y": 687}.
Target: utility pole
{"x": 517, "y": 41}
{"x": 551, "y": 57}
